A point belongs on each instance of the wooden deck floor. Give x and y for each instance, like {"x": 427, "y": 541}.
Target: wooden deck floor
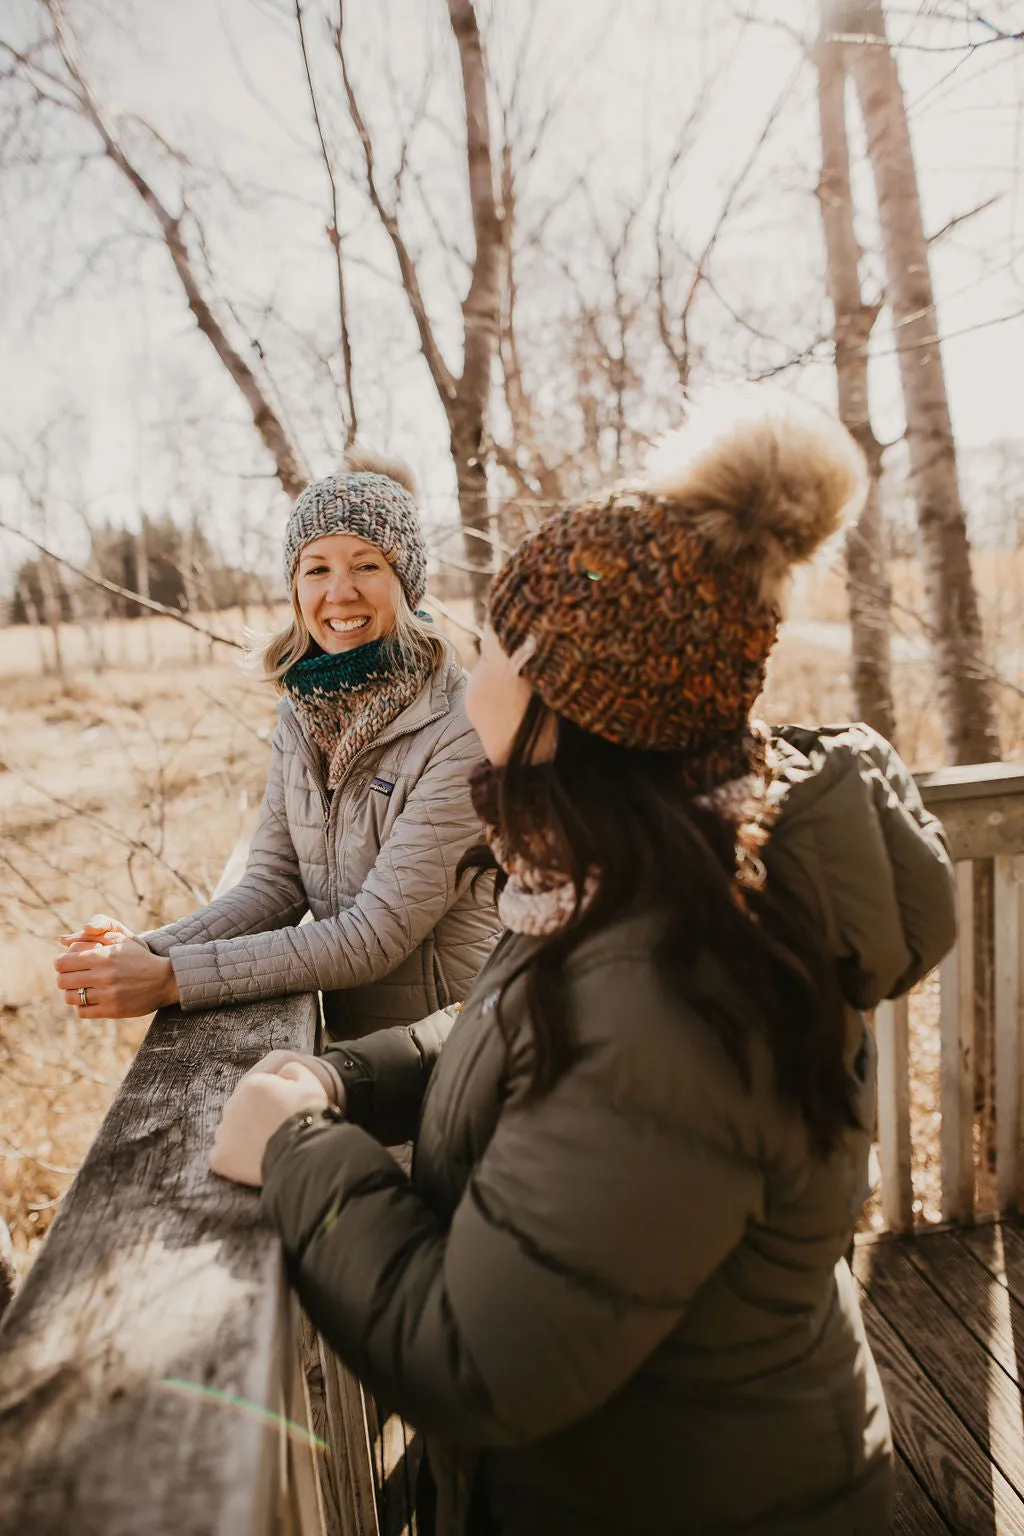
{"x": 945, "y": 1315}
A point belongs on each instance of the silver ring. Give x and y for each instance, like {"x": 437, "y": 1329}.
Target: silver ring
{"x": 83, "y": 997}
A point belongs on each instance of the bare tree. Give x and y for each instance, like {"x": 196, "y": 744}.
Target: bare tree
{"x": 333, "y": 232}
{"x": 54, "y": 76}
{"x": 965, "y": 691}
{"x": 465, "y": 395}
{"x": 867, "y": 580}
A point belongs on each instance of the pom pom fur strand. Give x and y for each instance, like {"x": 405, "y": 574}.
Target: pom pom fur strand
{"x": 763, "y": 476}
{"x": 364, "y": 461}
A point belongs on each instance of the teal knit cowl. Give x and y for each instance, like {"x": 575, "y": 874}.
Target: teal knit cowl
{"x": 347, "y": 700}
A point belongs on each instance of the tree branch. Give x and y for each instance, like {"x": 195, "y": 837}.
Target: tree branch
{"x": 112, "y": 586}
{"x": 444, "y": 381}
{"x": 481, "y": 308}
{"x": 961, "y": 218}
{"x": 275, "y": 438}
{"x": 333, "y": 233}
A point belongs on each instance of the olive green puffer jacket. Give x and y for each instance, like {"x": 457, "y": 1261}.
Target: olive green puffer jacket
{"x": 625, "y": 1307}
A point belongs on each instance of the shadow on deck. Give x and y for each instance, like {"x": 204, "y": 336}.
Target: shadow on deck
{"x": 945, "y": 1315}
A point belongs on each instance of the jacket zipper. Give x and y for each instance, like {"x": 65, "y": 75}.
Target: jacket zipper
{"x": 382, "y": 741}
{"x": 328, "y": 806}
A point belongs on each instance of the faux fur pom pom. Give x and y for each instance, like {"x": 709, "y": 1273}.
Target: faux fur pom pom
{"x": 765, "y": 477}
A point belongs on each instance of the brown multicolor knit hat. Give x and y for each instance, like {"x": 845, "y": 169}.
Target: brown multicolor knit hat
{"x": 374, "y": 499}
{"x": 647, "y": 615}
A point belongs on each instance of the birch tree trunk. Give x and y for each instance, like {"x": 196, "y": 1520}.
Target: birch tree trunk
{"x": 35, "y": 621}
{"x": 964, "y": 687}
{"x": 867, "y": 581}
{"x": 465, "y": 396}
{"x": 481, "y": 308}
{"x": 142, "y": 583}
{"x": 50, "y": 591}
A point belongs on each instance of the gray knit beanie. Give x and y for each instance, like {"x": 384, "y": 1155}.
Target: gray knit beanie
{"x": 371, "y": 506}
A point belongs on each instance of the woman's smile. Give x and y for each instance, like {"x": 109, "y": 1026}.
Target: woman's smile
{"x": 347, "y": 626}
{"x": 346, "y": 592}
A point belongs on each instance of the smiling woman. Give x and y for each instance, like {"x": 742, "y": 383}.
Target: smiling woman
{"x": 367, "y": 810}
{"x": 345, "y": 592}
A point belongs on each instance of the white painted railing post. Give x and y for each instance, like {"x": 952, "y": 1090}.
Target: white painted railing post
{"x": 956, "y": 1070}
{"x": 893, "y": 1040}
{"x": 1008, "y": 911}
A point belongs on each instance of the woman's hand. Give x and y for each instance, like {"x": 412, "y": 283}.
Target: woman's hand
{"x": 118, "y": 979}
{"x": 259, "y": 1106}
{"x": 326, "y": 1075}
{"x": 100, "y": 929}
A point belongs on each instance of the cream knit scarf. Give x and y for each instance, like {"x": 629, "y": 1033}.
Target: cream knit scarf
{"x": 535, "y": 900}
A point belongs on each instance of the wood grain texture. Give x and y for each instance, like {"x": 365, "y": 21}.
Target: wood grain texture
{"x": 1000, "y": 1247}
{"x": 913, "y": 1512}
{"x": 956, "y": 1066}
{"x": 972, "y": 1495}
{"x": 982, "y": 1302}
{"x": 892, "y": 1035}
{"x": 155, "y": 1273}
{"x": 397, "y": 1452}
{"x": 1008, "y": 933}
{"x": 327, "y": 1470}
{"x": 983, "y": 1395}
{"x": 349, "y": 1444}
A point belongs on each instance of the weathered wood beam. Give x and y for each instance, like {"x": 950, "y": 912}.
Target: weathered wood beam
{"x": 144, "y": 1363}
{"x": 976, "y": 781}
{"x": 956, "y": 1060}
{"x": 1009, "y": 1018}
{"x": 892, "y": 1035}
{"x": 981, "y": 808}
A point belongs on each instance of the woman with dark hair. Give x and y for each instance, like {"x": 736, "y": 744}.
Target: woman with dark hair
{"x": 613, "y": 1292}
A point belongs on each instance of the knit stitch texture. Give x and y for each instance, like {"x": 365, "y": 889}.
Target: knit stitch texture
{"x": 346, "y": 701}
{"x": 646, "y": 615}
{"x": 641, "y": 634}
{"x": 369, "y": 506}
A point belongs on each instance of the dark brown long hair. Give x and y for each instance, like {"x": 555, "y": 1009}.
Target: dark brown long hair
{"x": 625, "y": 814}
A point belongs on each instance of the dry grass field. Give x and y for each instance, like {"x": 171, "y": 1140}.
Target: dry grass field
{"x": 122, "y": 791}
{"x": 125, "y": 789}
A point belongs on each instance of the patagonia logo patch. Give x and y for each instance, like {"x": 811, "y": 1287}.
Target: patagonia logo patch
{"x": 382, "y": 786}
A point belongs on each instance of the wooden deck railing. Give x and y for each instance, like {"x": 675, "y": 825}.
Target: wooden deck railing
{"x": 154, "y": 1370}
{"x": 155, "y": 1374}
{"x": 982, "y": 809}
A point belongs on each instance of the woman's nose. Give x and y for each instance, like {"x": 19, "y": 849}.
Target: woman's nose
{"x": 341, "y": 588}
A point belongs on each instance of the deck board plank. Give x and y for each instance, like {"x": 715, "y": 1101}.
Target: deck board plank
{"x": 914, "y": 1514}
{"x": 1000, "y": 1247}
{"x": 977, "y": 1389}
{"x": 972, "y": 1495}
{"x": 995, "y": 1317}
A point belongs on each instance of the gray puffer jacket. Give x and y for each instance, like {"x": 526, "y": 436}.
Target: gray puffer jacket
{"x": 393, "y": 939}
{"x": 625, "y": 1306}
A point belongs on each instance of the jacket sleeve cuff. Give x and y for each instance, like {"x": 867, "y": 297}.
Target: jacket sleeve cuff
{"x": 385, "y": 1075}
{"x": 308, "y": 1164}
{"x": 223, "y": 971}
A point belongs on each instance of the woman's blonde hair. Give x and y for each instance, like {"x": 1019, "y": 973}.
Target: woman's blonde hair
{"x": 412, "y": 641}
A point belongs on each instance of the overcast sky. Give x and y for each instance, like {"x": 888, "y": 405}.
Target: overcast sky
{"x": 139, "y": 415}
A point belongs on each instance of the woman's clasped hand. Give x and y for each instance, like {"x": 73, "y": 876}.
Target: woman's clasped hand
{"x": 105, "y": 972}
{"x": 262, "y": 1101}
